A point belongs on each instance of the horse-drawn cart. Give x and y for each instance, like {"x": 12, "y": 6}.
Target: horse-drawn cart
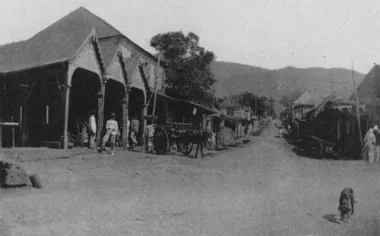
{"x": 169, "y": 135}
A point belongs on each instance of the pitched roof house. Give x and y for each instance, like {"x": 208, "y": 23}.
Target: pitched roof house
{"x": 231, "y": 107}
{"x": 82, "y": 40}
{"x": 369, "y": 94}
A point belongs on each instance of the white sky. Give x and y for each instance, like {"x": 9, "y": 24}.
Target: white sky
{"x": 266, "y": 33}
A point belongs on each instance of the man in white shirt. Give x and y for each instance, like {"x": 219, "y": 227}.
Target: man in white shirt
{"x": 135, "y": 127}
{"x": 128, "y": 125}
{"x": 111, "y": 130}
{"x": 92, "y": 130}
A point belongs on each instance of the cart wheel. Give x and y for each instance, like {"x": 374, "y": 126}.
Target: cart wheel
{"x": 161, "y": 141}
{"x": 185, "y": 146}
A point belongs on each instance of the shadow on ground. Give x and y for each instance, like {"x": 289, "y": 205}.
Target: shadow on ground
{"x": 333, "y": 218}
{"x": 303, "y": 152}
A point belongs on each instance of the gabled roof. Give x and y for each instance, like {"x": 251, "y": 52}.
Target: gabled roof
{"x": 82, "y": 19}
{"x": 60, "y": 40}
{"x": 43, "y": 49}
{"x": 308, "y": 98}
{"x": 131, "y": 64}
{"x": 315, "y": 96}
{"x": 109, "y": 49}
{"x": 369, "y": 88}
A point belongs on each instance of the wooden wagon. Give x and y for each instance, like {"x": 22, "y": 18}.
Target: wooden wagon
{"x": 169, "y": 135}
{"x": 321, "y": 147}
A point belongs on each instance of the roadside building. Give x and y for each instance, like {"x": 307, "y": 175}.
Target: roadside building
{"x": 242, "y": 114}
{"x": 368, "y": 94}
{"x": 50, "y": 81}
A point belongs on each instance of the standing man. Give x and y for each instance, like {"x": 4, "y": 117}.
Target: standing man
{"x": 368, "y": 150}
{"x": 377, "y": 135}
{"x": 92, "y": 130}
{"x": 135, "y": 127}
{"x": 111, "y": 130}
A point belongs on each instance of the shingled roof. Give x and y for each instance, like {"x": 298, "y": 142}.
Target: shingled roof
{"x": 310, "y": 97}
{"x": 82, "y": 19}
{"x": 330, "y": 87}
{"x": 368, "y": 89}
{"x": 59, "y": 41}
{"x": 43, "y": 49}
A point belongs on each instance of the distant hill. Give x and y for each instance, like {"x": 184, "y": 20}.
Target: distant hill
{"x": 233, "y": 78}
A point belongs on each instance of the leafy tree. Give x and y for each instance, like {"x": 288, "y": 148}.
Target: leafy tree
{"x": 288, "y": 99}
{"x": 260, "y": 105}
{"x": 186, "y": 64}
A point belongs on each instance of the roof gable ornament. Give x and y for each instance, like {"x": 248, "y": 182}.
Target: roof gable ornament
{"x": 125, "y": 75}
{"x": 95, "y": 42}
{"x": 143, "y": 63}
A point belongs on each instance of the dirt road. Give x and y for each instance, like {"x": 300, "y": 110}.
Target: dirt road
{"x": 261, "y": 189}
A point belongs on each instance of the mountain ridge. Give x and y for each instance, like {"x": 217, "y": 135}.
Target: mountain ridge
{"x": 234, "y": 78}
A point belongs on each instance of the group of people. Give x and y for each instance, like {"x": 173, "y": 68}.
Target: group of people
{"x": 112, "y": 132}
{"x": 371, "y": 145}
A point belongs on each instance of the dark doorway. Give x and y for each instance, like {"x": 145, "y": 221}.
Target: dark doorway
{"x": 115, "y": 93}
{"x": 136, "y": 102}
{"x": 85, "y": 87}
{"x": 44, "y": 118}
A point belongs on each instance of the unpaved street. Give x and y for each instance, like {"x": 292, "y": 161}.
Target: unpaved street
{"x": 261, "y": 189}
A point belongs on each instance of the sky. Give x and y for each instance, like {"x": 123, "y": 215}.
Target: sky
{"x": 267, "y": 33}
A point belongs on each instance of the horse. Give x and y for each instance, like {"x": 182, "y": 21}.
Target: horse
{"x": 199, "y": 137}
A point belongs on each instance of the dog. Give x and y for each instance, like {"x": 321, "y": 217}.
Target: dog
{"x": 346, "y": 204}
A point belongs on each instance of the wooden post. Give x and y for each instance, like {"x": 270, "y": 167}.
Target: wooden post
{"x": 100, "y": 120}
{"x": 155, "y": 84}
{"x": 125, "y": 118}
{"x": 66, "y": 121}
{"x": 338, "y": 130}
{"x": 144, "y": 112}
{"x": 357, "y": 104}
{"x": 23, "y": 124}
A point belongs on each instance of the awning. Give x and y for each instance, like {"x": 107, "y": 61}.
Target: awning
{"x": 198, "y": 106}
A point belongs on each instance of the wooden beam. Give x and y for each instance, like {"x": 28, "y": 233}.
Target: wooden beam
{"x": 125, "y": 120}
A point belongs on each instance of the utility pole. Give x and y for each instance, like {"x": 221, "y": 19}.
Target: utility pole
{"x": 357, "y": 103}
{"x": 155, "y": 83}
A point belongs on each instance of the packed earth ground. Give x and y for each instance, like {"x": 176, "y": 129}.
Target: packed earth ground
{"x": 263, "y": 188}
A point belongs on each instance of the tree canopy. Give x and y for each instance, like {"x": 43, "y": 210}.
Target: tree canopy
{"x": 186, "y": 64}
{"x": 260, "y": 105}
